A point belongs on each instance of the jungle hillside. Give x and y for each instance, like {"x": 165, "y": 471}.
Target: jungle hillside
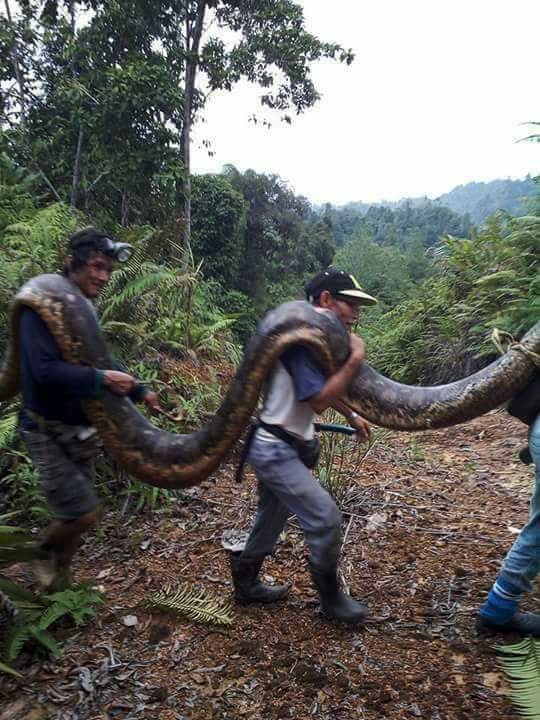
{"x": 98, "y": 101}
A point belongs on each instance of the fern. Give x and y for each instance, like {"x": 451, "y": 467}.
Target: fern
{"x": 199, "y": 606}
{"x": 17, "y": 593}
{"x": 8, "y": 428}
{"x": 17, "y": 636}
{"x": 35, "y": 615}
{"x": 77, "y": 604}
{"x": 45, "y": 639}
{"x": 521, "y": 664}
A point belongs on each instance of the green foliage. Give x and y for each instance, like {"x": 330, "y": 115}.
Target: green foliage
{"x": 217, "y": 229}
{"x": 400, "y": 225}
{"x": 198, "y": 605}
{"x": 279, "y": 233}
{"x": 37, "y": 614}
{"x": 381, "y": 270}
{"x": 341, "y": 458}
{"x": 16, "y": 545}
{"x": 22, "y": 489}
{"x": 239, "y": 307}
{"x": 8, "y": 429}
{"x": 77, "y": 604}
{"x": 197, "y": 398}
{"x": 151, "y": 306}
{"x": 33, "y": 244}
{"x": 146, "y": 497}
{"x": 442, "y": 331}
{"x": 16, "y": 201}
{"x": 100, "y": 113}
{"x": 521, "y": 664}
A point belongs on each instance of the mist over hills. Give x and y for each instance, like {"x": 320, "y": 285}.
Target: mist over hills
{"x": 478, "y": 200}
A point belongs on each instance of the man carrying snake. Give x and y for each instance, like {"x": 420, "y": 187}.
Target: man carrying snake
{"x": 59, "y": 438}
{"x": 298, "y": 389}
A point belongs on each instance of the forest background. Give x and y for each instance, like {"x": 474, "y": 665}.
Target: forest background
{"x": 98, "y": 102}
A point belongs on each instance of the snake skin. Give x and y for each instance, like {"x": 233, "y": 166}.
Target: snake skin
{"x": 171, "y": 460}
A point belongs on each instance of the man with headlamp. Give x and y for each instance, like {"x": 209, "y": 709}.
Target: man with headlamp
{"x": 61, "y": 442}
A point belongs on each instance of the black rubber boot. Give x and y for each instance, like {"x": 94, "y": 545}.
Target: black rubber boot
{"x": 334, "y": 603}
{"x": 521, "y": 623}
{"x": 247, "y": 587}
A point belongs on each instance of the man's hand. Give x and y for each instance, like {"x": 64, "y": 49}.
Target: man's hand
{"x": 358, "y": 349}
{"x": 118, "y": 382}
{"x": 151, "y": 400}
{"x": 362, "y": 427}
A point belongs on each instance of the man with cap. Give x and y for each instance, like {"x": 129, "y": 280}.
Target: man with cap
{"x": 59, "y": 438}
{"x": 296, "y": 391}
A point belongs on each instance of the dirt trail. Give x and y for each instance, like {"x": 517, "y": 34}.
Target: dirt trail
{"x": 429, "y": 520}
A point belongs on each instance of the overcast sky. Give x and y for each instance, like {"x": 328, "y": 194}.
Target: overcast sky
{"x": 436, "y": 97}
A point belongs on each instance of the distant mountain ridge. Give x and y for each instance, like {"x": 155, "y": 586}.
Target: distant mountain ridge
{"x": 481, "y": 199}
{"x": 478, "y": 200}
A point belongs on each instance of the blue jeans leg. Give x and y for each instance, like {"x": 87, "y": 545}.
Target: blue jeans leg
{"x": 522, "y": 563}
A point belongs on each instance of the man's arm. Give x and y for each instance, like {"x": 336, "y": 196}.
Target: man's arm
{"x": 362, "y": 427}
{"x": 140, "y": 391}
{"x": 48, "y": 367}
{"x": 336, "y": 385}
{"x": 311, "y": 385}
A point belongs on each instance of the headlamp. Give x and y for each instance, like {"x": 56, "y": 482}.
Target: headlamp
{"x": 118, "y": 250}
{"x": 123, "y": 251}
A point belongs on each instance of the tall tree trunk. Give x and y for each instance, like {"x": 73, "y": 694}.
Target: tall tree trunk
{"x": 125, "y": 207}
{"x": 18, "y": 72}
{"x": 76, "y": 171}
{"x": 193, "y": 32}
{"x": 76, "y": 179}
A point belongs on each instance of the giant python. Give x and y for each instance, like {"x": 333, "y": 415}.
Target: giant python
{"x": 172, "y": 460}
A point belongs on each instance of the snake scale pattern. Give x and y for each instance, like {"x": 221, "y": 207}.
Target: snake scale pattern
{"x": 172, "y": 460}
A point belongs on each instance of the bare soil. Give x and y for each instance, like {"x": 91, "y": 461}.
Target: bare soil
{"x": 427, "y": 522}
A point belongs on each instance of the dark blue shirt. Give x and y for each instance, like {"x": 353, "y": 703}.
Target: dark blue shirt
{"x": 307, "y": 375}
{"x": 51, "y": 387}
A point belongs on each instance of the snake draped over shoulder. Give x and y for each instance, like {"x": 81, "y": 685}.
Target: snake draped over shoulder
{"x": 172, "y": 460}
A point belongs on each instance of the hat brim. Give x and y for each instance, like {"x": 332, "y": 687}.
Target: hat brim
{"x": 362, "y": 297}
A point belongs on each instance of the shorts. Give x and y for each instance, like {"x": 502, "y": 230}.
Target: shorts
{"x": 68, "y": 484}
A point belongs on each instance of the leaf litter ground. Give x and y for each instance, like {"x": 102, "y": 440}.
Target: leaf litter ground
{"x": 427, "y": 521}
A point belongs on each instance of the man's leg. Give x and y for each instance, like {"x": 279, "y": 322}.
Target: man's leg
{"x": 519, "y": 568}
{"x": 295, "y": 489}
{"x": 69, "y": 490}
{"x": 269, "y": 522}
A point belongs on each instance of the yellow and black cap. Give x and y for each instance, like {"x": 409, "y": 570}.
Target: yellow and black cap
{"x": 339, "y": 284}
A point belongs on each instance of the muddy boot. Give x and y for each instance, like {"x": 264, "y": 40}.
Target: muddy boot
{"x": 521, "y": 623}
{"x": 334, "y": 603}
{"x": 247, "y": 587}
{"x": 51, "y": 571}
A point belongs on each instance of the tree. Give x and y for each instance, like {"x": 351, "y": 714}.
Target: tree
{"x": 267, "y": 44}
{"x": 218, "y": 228}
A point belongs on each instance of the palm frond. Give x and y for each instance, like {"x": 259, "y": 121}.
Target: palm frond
{"x": 9, "y": 670}
{"x": 198, "y": 605}
{"x": 521, "y": 664}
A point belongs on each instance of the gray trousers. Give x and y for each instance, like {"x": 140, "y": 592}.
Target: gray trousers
{"x": 287, "y": 487}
